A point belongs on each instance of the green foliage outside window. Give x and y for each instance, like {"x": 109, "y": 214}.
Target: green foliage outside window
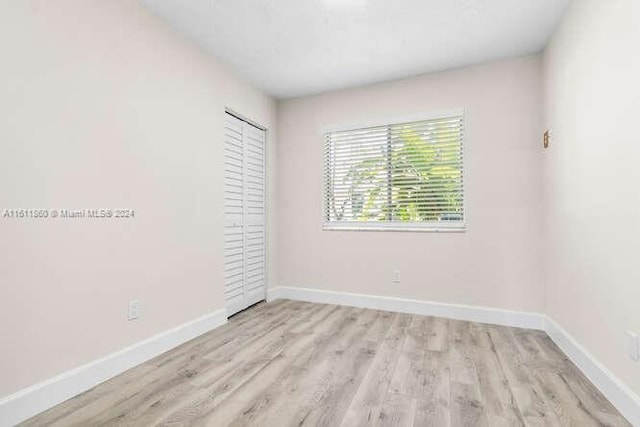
{"x": 416, "y": 176}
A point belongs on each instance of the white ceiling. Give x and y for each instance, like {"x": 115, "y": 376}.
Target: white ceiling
{"x": 297, "y": 47}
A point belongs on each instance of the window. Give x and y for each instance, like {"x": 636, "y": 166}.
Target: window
{"x": 400, "y": 176}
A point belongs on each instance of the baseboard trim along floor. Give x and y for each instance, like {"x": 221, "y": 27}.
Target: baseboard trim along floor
{"x": 623, "y": 398}
{"x": 39, "y": 397}
{"x": 32, "y": 400}
{"x": 495, "y": 316}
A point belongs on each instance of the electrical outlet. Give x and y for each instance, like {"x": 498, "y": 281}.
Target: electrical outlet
{"x": 396, "y": 276}
{"x": 134, "y": 309}
{"x": 634, "y": 350}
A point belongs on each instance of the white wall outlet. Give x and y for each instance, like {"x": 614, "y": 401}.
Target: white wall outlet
{"x": 396, "y": 276}
{"x": 134, "y": 309}
{"x": 634, "y": 350}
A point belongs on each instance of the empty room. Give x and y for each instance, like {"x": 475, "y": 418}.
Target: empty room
{"x": 319, "y": 213}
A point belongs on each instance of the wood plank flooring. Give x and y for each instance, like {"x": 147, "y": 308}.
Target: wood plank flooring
{"x": 290, "y": 363}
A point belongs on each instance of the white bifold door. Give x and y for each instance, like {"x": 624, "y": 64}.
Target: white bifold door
{"x": 245, "y": 211}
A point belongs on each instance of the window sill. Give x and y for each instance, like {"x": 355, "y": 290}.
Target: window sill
{"x": 431, "y": 228}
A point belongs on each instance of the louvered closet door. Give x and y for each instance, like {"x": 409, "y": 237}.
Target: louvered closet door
{"x": 245, "y": 209}
{"x": 254, "y": 215}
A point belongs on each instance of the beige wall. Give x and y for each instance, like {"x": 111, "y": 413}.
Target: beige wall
{"x": 101, "y": 106}
{"x": 592, "y": 200}
{"x": 496, "y": 263}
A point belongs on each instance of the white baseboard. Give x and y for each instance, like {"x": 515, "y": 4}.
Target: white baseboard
{"x": 32, "y": 400}
{"x": 39, "y": 397}
{"x": 495, "y": 316}
{"x": 621, "y": 396}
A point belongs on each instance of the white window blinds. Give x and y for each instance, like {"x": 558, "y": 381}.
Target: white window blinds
{"x": 396, "y": 176}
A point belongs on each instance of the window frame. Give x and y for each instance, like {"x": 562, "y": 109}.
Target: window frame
{"x": 425, "y": 226}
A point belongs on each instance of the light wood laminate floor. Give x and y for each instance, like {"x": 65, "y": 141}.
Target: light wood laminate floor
{"x": 290, "y": 363}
